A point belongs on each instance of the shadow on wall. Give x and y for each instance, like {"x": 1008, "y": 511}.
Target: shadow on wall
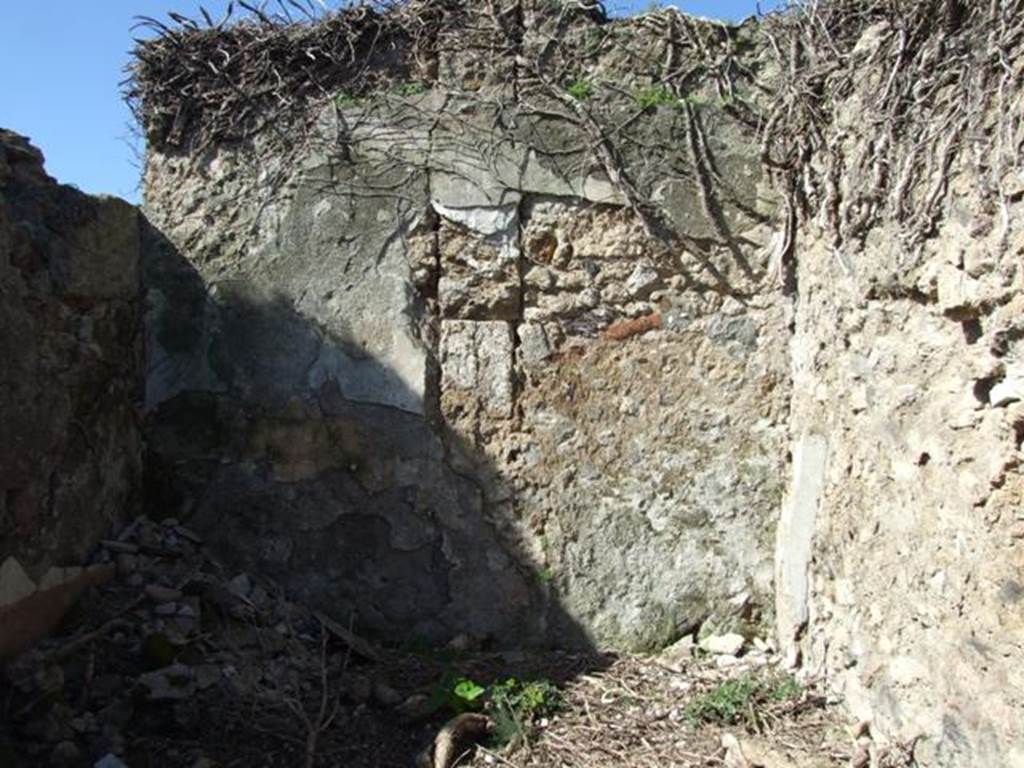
{"x": 70, "y": 375}
{"x": 373, "y": 513}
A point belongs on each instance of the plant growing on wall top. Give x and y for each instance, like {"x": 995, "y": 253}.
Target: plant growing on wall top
{"x": 264, "y": 79}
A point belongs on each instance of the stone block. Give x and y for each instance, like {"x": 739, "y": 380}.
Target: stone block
{"x": 476, "y": 370}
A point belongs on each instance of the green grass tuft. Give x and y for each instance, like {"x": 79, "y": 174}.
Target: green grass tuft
{"x": 736, "y": 702}
{"x": 581, "y": 90}
{"x": 654, "y": 96}
{"x": 786, "y": 689}
{"x": 414, "y": 88}
{"x": 344, "y": 100}
{"x": 727, "y": 704}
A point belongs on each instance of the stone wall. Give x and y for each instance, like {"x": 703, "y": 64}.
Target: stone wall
{"x": 70, "y": 380}
{"x": 447, "y": 383}
{"x": 434, "y": 370}
{"x": 901, "y": 544}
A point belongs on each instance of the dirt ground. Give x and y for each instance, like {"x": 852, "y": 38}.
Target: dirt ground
{"x": 175, "y": 662}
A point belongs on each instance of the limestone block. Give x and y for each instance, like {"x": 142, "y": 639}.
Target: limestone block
{"x": 476, "y": 373}
{"x": 642, "y": 280}
{"x": 1010, "y": 389}
{"x": 729, "y": 644}
{"x": 534, "y": 345}
{"x": 957, "y": 290}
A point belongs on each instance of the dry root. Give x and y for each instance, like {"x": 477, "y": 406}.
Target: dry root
{"x": 451, "y": 742}
{"x": 945, "y": 87}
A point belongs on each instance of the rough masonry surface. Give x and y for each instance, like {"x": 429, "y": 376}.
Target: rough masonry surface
{"x": 397, "y": 377}
{"x": 70, "y": 383}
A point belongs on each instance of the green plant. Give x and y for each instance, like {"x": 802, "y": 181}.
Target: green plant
{"x": 545, "y": 575}
{"x": 414, "y": 88}
{"x": 457, "y": 694}
{"x": 786, "y": 688}
{"x": 581, "y": 90}
{"x": 466, "y": 695}
{"x": 727, "y": 704}
{"x": 530, "y": 699}
{"x": 515, "y": 706}
{"x": 654, "y": 96}
{"x": 738, "y": 701}
{"x": 345, "y": 99}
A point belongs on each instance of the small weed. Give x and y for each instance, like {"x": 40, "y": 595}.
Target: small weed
{"x": 414, "y": 88}
{"x": 457, "y": 694}
{"x": 344, "y": 100}
{"x": 581, "y": 90}
{"x": 545, "y": 576}
{"x": 530, "y": 700}
{"x": 786, "y": 689}
{"x": 514, "y": 705}
{"x": 727, "y": 704}
{"x": 737, "y": 701}
{"x": 654, "y": 96}
{"x": 465, "y": 695}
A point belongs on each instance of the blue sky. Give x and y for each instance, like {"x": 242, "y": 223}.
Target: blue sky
{"x": 62, "y": 61}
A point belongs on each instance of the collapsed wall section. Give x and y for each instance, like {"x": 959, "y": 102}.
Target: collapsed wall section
{"x": 70, "y": 379}
{"x": 451, "y": 366}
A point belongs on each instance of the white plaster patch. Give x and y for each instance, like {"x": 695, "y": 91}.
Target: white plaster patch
{"x": 795, "y": 536}
{"x": 490, "y": 220}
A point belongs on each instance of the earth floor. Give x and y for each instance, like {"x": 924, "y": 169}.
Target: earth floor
{"x": 175, "y": 662}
